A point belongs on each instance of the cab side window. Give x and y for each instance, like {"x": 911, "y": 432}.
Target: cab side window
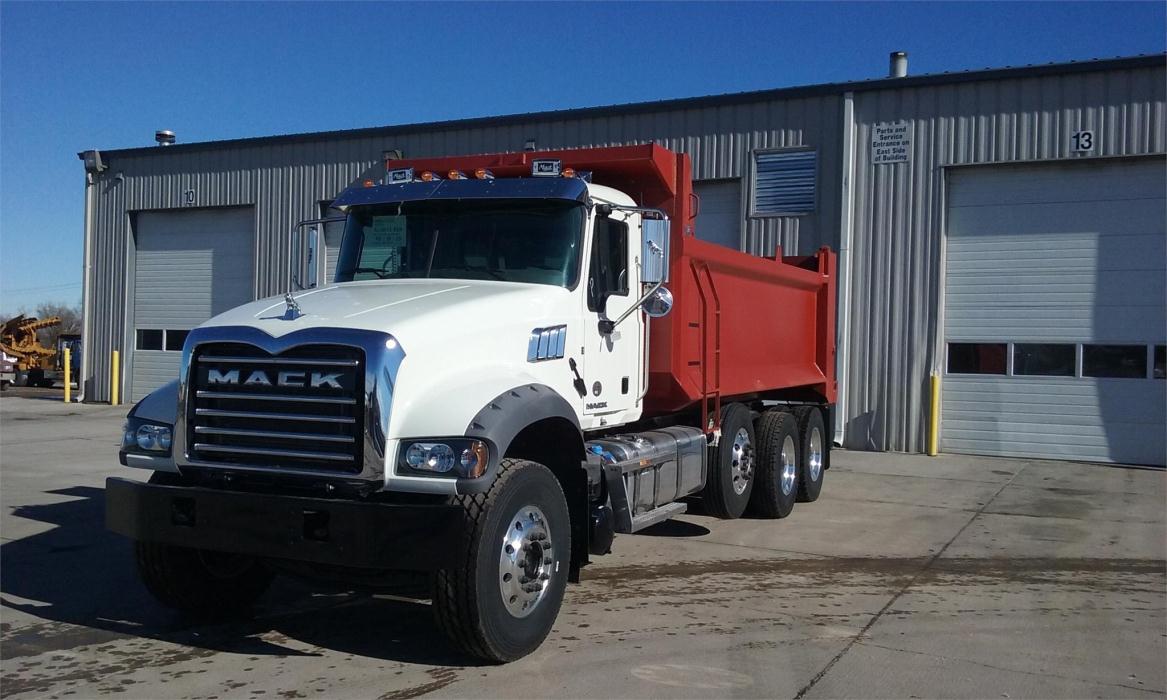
{"x": 609, "y": 267}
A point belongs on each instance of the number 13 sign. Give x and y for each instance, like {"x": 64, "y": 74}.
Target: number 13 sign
{"x": 1082, "y": 141}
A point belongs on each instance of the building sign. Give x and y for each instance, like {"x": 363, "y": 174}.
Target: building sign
{"x": 891, "y": 142}
{"x": 1082, "y": 141}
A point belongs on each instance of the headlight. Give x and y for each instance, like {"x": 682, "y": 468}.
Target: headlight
{"x": 455, "y": 456}
{"x": 154, "y": 438}
{"x": 139, "y": 436}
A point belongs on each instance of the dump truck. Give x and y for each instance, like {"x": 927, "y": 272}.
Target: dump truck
{"x": 519, "y": 356}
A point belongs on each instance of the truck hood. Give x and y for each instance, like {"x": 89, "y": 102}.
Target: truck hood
{"x": 411, "y": 310}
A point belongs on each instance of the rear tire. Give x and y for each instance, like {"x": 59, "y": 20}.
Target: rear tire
{"x": 777, "y": 480}
{"x": 501, "y": 603}
{"x": 814, "y": 454}
{"x": 731, "y": 476}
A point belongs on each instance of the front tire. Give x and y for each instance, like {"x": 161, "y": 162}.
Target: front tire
{"x": 501, "y": 603}
{"x": 200, "y": 582}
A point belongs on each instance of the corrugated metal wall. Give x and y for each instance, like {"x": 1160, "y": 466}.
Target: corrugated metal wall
{"x": 899, "y": 214}
{"x": 897, "y": 210}
{"x": 286, "y": 181}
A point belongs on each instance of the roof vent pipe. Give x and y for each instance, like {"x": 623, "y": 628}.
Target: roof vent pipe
{"x": 898, "y": 64}
{"x": 164, "y": 137}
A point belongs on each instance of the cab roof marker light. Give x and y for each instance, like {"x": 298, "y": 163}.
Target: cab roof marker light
{"x": 369, "y": 183}
{"x": 545, "y": 167}
{"x": 429, "y": 176}
{"x": 456, "y": 175}
{"x": 483, "y": 174}
{"x": 568, "y": 172}
{"x": 399, "y": 176}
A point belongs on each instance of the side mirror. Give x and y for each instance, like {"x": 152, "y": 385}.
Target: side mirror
{"x": 658, "y": 303}
{"x": 654, "y": 255}
{"x": 305, "y": 263}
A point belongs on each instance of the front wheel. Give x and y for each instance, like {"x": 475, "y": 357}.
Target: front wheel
{"x": 200, "y": 582}
{"x": 501, "y": 602}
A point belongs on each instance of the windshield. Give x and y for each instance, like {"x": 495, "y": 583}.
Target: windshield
{"x": 534, "y": 241}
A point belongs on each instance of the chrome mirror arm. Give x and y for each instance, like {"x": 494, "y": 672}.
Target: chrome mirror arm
{"x": 606, "y": 326}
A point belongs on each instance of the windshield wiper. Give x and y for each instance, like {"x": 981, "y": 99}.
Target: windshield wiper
{"x": 429, "y": 266}
{"x": 493, "y": 273}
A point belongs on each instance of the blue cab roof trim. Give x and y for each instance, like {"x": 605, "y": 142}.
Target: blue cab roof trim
{"x": 568, "y": 188}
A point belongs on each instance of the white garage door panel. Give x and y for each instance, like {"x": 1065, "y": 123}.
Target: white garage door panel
{"x": 719, "y": 220}
{"x": 1057, "y": 218}
{"x": 1055, "y": 417}
{"x": 152, "y": 369}
{"x": 1066, "y": 253}
{"x": 188, "y": 266}
{"x": 1059, "y": 183}
{"x": 1034, "y": 324}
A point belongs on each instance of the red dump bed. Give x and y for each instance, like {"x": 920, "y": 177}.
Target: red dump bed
{"x": 742, "y": 326}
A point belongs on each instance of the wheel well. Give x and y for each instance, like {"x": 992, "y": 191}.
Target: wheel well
{"x": 558, "y": 445}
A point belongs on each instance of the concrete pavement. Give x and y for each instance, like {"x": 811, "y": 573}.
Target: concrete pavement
{"x": 943, "y": 577}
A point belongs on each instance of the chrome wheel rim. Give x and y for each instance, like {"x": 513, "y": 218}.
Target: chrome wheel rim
{"x": 789, "y": 466}
{"x": 525, "y": 560}
{"x": 815, "y": 458}
{"x": 741, "y": 466}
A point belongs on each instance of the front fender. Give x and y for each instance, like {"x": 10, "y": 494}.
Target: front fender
{"x": 159, "y": 406}
{"x": 458, "y": 404}
{"x": 506, "y": 416}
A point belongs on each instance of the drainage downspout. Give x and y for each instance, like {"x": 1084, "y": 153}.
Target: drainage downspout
{"x": 846, "y": 238}
{"x": 86, "y": 345}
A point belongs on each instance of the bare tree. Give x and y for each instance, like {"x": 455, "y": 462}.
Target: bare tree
{"x": 70, "y": 321}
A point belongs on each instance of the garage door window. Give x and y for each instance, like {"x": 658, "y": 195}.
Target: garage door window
{"x": 977, "y": 358}
{"x": 175, "y": 339}
{"x": 1044, "y": 359}
{"x": 1078, "y": 360}
{"x": 1117, "y": 361}
{"x": 153, "y": 339}
{"x": 149, "y": 340}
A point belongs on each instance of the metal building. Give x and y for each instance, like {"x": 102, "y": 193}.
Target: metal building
{"x": 1002, "y": 228}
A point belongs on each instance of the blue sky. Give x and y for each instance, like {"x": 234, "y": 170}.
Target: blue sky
{"x": 105, "y": 75}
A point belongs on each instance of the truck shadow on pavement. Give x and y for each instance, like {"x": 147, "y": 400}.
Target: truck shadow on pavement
{"x": 80, "y": 581}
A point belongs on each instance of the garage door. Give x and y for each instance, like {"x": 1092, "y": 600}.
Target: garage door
{"x": 188, "y": 266}
{"x": 720, "y": 218}
{"x": 1054, "y": 312}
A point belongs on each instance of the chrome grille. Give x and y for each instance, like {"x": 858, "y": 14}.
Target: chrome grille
{"x": 300, "y": 409}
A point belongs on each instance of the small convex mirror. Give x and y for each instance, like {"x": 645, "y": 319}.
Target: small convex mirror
{"x": 659, "y": 303}
{"x": 654, "y": 255}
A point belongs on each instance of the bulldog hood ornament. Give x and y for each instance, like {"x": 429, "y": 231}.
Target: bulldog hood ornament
{"x": 293, "y": 311}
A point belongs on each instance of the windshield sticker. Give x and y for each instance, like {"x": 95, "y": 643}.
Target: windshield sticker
{"x": 380, "y": 254}
{"x": 388, "y": 232}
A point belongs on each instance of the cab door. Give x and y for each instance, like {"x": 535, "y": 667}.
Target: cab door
{"x": 612, "y": 366}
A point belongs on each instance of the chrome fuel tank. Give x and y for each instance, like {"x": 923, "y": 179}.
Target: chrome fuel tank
{"x": 659, "y": 466}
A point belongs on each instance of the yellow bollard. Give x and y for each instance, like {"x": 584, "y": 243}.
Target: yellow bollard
{"x": 934, "y": 419}
{"x": 68, "y": 376}
{"x": 114, "y": 379}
